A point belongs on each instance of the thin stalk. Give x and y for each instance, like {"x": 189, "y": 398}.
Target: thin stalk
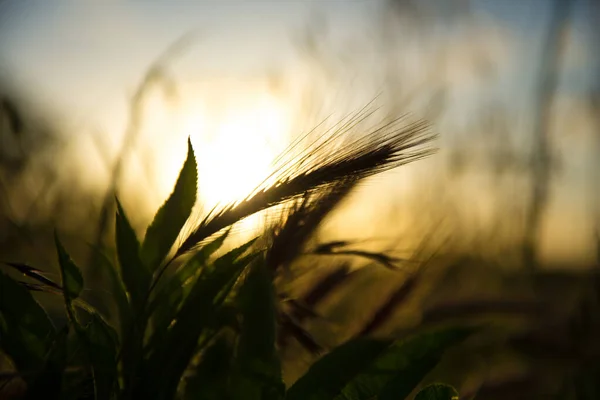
{"x": 541, "y": 152}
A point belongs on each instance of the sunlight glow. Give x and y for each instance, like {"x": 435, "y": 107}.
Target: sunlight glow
{"x": 235, "y": 147}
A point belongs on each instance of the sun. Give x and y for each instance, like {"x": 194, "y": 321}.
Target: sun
{"x": 235, "y": 146}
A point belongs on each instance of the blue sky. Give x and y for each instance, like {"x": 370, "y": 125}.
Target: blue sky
{"x": 62, "y": 45}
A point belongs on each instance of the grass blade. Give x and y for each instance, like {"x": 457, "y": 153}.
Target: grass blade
{"x": 167, "y": 294}
{"x": 171, "y": 217}
{"x": 175, "y": 349}
{"x": 290, "y": 328}
{"x": 396, "y": 300}
{"x": 134, "y": 273}
{"x": 38, "y": 287}
{"x": 72, "y": 280}
{"x": 302, "y": 221}
{"x": 117, "y": 290}
{"x": 168, "y": 301}
{"x": 326, "y": 285}
{"x": 34, "y": 273}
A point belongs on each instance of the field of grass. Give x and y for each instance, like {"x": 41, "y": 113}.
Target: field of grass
{"x": 283, "y": 316}
{"x": 186, "y": 324}
{"x": 104, "y": 297}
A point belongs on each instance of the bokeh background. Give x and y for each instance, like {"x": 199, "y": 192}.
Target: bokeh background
{"x": 99, "y": 97}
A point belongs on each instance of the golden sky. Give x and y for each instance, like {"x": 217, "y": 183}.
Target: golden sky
{"x": 254, "y": 74}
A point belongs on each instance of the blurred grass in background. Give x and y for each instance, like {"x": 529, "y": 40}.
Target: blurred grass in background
{"x": 501, "y": 225}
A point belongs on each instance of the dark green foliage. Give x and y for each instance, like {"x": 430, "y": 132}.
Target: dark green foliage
{"x": 173, "y": 352}
{"x": 209, "y": 329}
{"x": 327, "y": 377}
{"x": 258, "y": 369}
{"x": 118, "y": 293}
{"x": 210, "y": 379}
{"x": 102, "y": 344}
{"x": 397, "y": 372}
{"x": 47, "y": 383}
{"x": 169, "y": 293}
{"x": 363, "y": 369}
{"x": 134, "y": 273}
{"x": 26, "y": 331}
{"x": 169, "y": 300}
{"x": 437, "y": 391}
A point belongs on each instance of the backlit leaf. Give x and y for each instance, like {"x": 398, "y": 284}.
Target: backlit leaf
{"x": 175, "y": 348}
{"x": 171, "y": 217}
{"x": 72, "y": 280}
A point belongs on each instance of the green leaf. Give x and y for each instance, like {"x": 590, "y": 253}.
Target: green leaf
{"x": 327, "y": 377}
{"x": 171, "y": 217}
{"x": 117, "y": 290}
{"x": 26, "y": 331}
{"x": 169, "y": 297}
{"x": 135, "y": 275}
{"x": 437, "y": 391}
{"x": 258, "y": 366}
{"x": 36, "y": 274}
{"x": 47, "y": 383}
{"x": 172, "y": 353}
{"x": 199, "y": 259}
{"x": 398, "y": 371}
{"x": 72, "y": 280}
{"x": 365, "y": 368}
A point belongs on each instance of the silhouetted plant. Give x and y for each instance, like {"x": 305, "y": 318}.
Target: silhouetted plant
{"x": 208, "y": 328}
